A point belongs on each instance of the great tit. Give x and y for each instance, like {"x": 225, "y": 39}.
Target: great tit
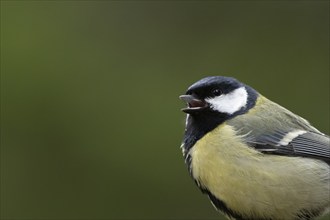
{"x": 252, "y": 157}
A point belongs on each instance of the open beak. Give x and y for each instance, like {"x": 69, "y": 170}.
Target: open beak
{"x": 194, "y": 104}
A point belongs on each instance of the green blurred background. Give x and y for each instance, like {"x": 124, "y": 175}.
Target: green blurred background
{"x": 90, "y": 116}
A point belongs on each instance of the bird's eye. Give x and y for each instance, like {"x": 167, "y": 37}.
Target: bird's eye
{"x": 216, "y": 92}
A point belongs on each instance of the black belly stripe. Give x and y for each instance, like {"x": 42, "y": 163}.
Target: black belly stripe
{"x": 222, "y": 207}
{"x": 308, "y": 214}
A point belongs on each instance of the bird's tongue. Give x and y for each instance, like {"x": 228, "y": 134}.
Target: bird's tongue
{"x": 196, "y": 103}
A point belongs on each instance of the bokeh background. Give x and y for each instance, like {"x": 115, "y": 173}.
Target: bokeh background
{"x": 90, "y": 116}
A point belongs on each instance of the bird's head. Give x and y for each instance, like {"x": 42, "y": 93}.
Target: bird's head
{"x": 218, "y": 95}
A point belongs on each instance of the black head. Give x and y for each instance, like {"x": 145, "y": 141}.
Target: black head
{"x": 213, "y": 100}
{"x": 218, "y": 95}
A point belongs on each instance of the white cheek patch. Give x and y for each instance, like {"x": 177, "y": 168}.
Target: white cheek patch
{"x": 229, "y": 103}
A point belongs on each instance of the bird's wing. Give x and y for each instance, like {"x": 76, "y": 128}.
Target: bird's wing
{"x": 293, "y": 143}
{"x": 272, "y": 129}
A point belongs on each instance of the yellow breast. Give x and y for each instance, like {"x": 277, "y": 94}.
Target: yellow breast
{"x": 255, "y": 184}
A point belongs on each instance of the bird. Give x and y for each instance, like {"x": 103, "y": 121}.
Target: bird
{"x": 253, "y": 158}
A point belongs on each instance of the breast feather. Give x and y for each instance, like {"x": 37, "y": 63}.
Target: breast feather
{"x": 254, "y": 183}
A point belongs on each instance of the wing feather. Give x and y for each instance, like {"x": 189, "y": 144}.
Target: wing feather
{"x": 309, "y": 144}
{"x": 272, "y": 129}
